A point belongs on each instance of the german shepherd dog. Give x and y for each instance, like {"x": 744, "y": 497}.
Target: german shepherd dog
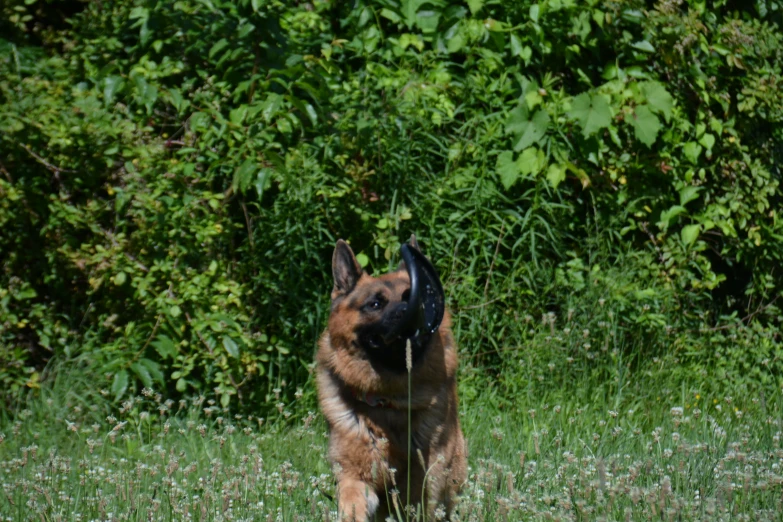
{"x": 384, "y": 331}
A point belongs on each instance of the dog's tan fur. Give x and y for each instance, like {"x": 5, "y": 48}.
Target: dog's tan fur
{"x": 366, "y": 442}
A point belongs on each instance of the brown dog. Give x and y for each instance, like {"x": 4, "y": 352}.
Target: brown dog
{"x": 362, "y": 376}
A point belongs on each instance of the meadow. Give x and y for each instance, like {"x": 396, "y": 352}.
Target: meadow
{"x": 70, "y": 455}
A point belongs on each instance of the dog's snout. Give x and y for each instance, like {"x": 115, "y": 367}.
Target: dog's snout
{"x": 399, "y": 312}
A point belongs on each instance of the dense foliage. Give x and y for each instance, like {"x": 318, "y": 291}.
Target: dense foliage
{"x": 173, "y": 176}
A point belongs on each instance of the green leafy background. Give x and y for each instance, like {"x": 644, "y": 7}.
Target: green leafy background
{"x": 173, "y": 177}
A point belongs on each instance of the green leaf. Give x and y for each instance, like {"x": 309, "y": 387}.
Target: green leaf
{"x": 362, "y": 259}
{"x": 668, "y": 215}
{"x": 143, "y": 374}
{"x": 427, "y": 21}
{"x": 533, "y": 98}
{"x": 530, "y": 161}
{"x": 708, "y": 141}
{"x": 410, "y": 8}
{"x": 271, "y": 106}
{"x": 165, "y": 346}
{"x": 475, "y": 6}
{"x": 516, "y": 45}
{"x": 688, "y": 194}
{"x": 120, "y": 384}
{"x": 311, "y": 113}
{"x": 644, "y": 45}
{"x": 144, "y": 32}
{"x": 390, "y": 15}
{"x": 111, "y": 86}
{"x": 263, "y": 181}
{"x": 692, "y": 151}
{"x": 534, "y": 12}
{"x": 245, "y": 29}
{"x": 531, "y": 131}
{"x": 219, "y": 46}
{"x": 231, "y": 346}
{"x": 456, "y": 43}
{"x": 26, "y": 293}
{"x": 146, "y": 93}
{"x": 237, "y": 116}
{"x": 154, "y": 370}
{"x": 526, "y": 53}
{"x": 517, "y": 119}
{"x": 120, "y": 278}
{"x": 175, "y": 311}
{"x": 592, "y": 112}
{"x": 658, "y": 98}
{"x": 646, "y": 125}
{"x": 556, "y": 174}
{"x": 244, "y": 175}
{"x": 507, "y": 169}
{"x": 690, "y": 233}
{"x": 182, "y": 384}
{"x": 199, "y": 121}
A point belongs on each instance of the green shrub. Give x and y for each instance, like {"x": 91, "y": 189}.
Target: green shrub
{"x": 175, "y": 176}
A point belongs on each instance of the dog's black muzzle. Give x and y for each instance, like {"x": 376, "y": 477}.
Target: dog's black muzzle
{"x": 423, "y": 312}
{"x": 416, "y": 318}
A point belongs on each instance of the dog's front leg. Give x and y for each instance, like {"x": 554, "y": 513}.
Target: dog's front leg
{"x": 356, "y": 500}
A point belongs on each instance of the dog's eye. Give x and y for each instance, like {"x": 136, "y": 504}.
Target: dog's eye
{"x": 375, "y": 304}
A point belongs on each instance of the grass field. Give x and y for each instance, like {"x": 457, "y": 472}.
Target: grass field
{"x": 72, "y": 457}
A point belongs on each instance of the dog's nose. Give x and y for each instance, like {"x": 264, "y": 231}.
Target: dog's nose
{"x": 406, "y": 295}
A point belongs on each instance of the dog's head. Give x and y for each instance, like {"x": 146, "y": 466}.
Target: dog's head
{"x": 379, "y": 315}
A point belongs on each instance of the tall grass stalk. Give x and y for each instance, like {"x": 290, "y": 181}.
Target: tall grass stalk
{"x": 409, "y": 367}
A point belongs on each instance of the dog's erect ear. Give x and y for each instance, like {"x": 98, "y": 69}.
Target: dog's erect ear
{"x": 346, "y": 270}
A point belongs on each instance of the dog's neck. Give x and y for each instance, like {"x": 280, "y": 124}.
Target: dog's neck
{"x": 373, "y": 400}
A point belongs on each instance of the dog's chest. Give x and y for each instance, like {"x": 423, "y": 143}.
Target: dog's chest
{"x": 387, "y": 432}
